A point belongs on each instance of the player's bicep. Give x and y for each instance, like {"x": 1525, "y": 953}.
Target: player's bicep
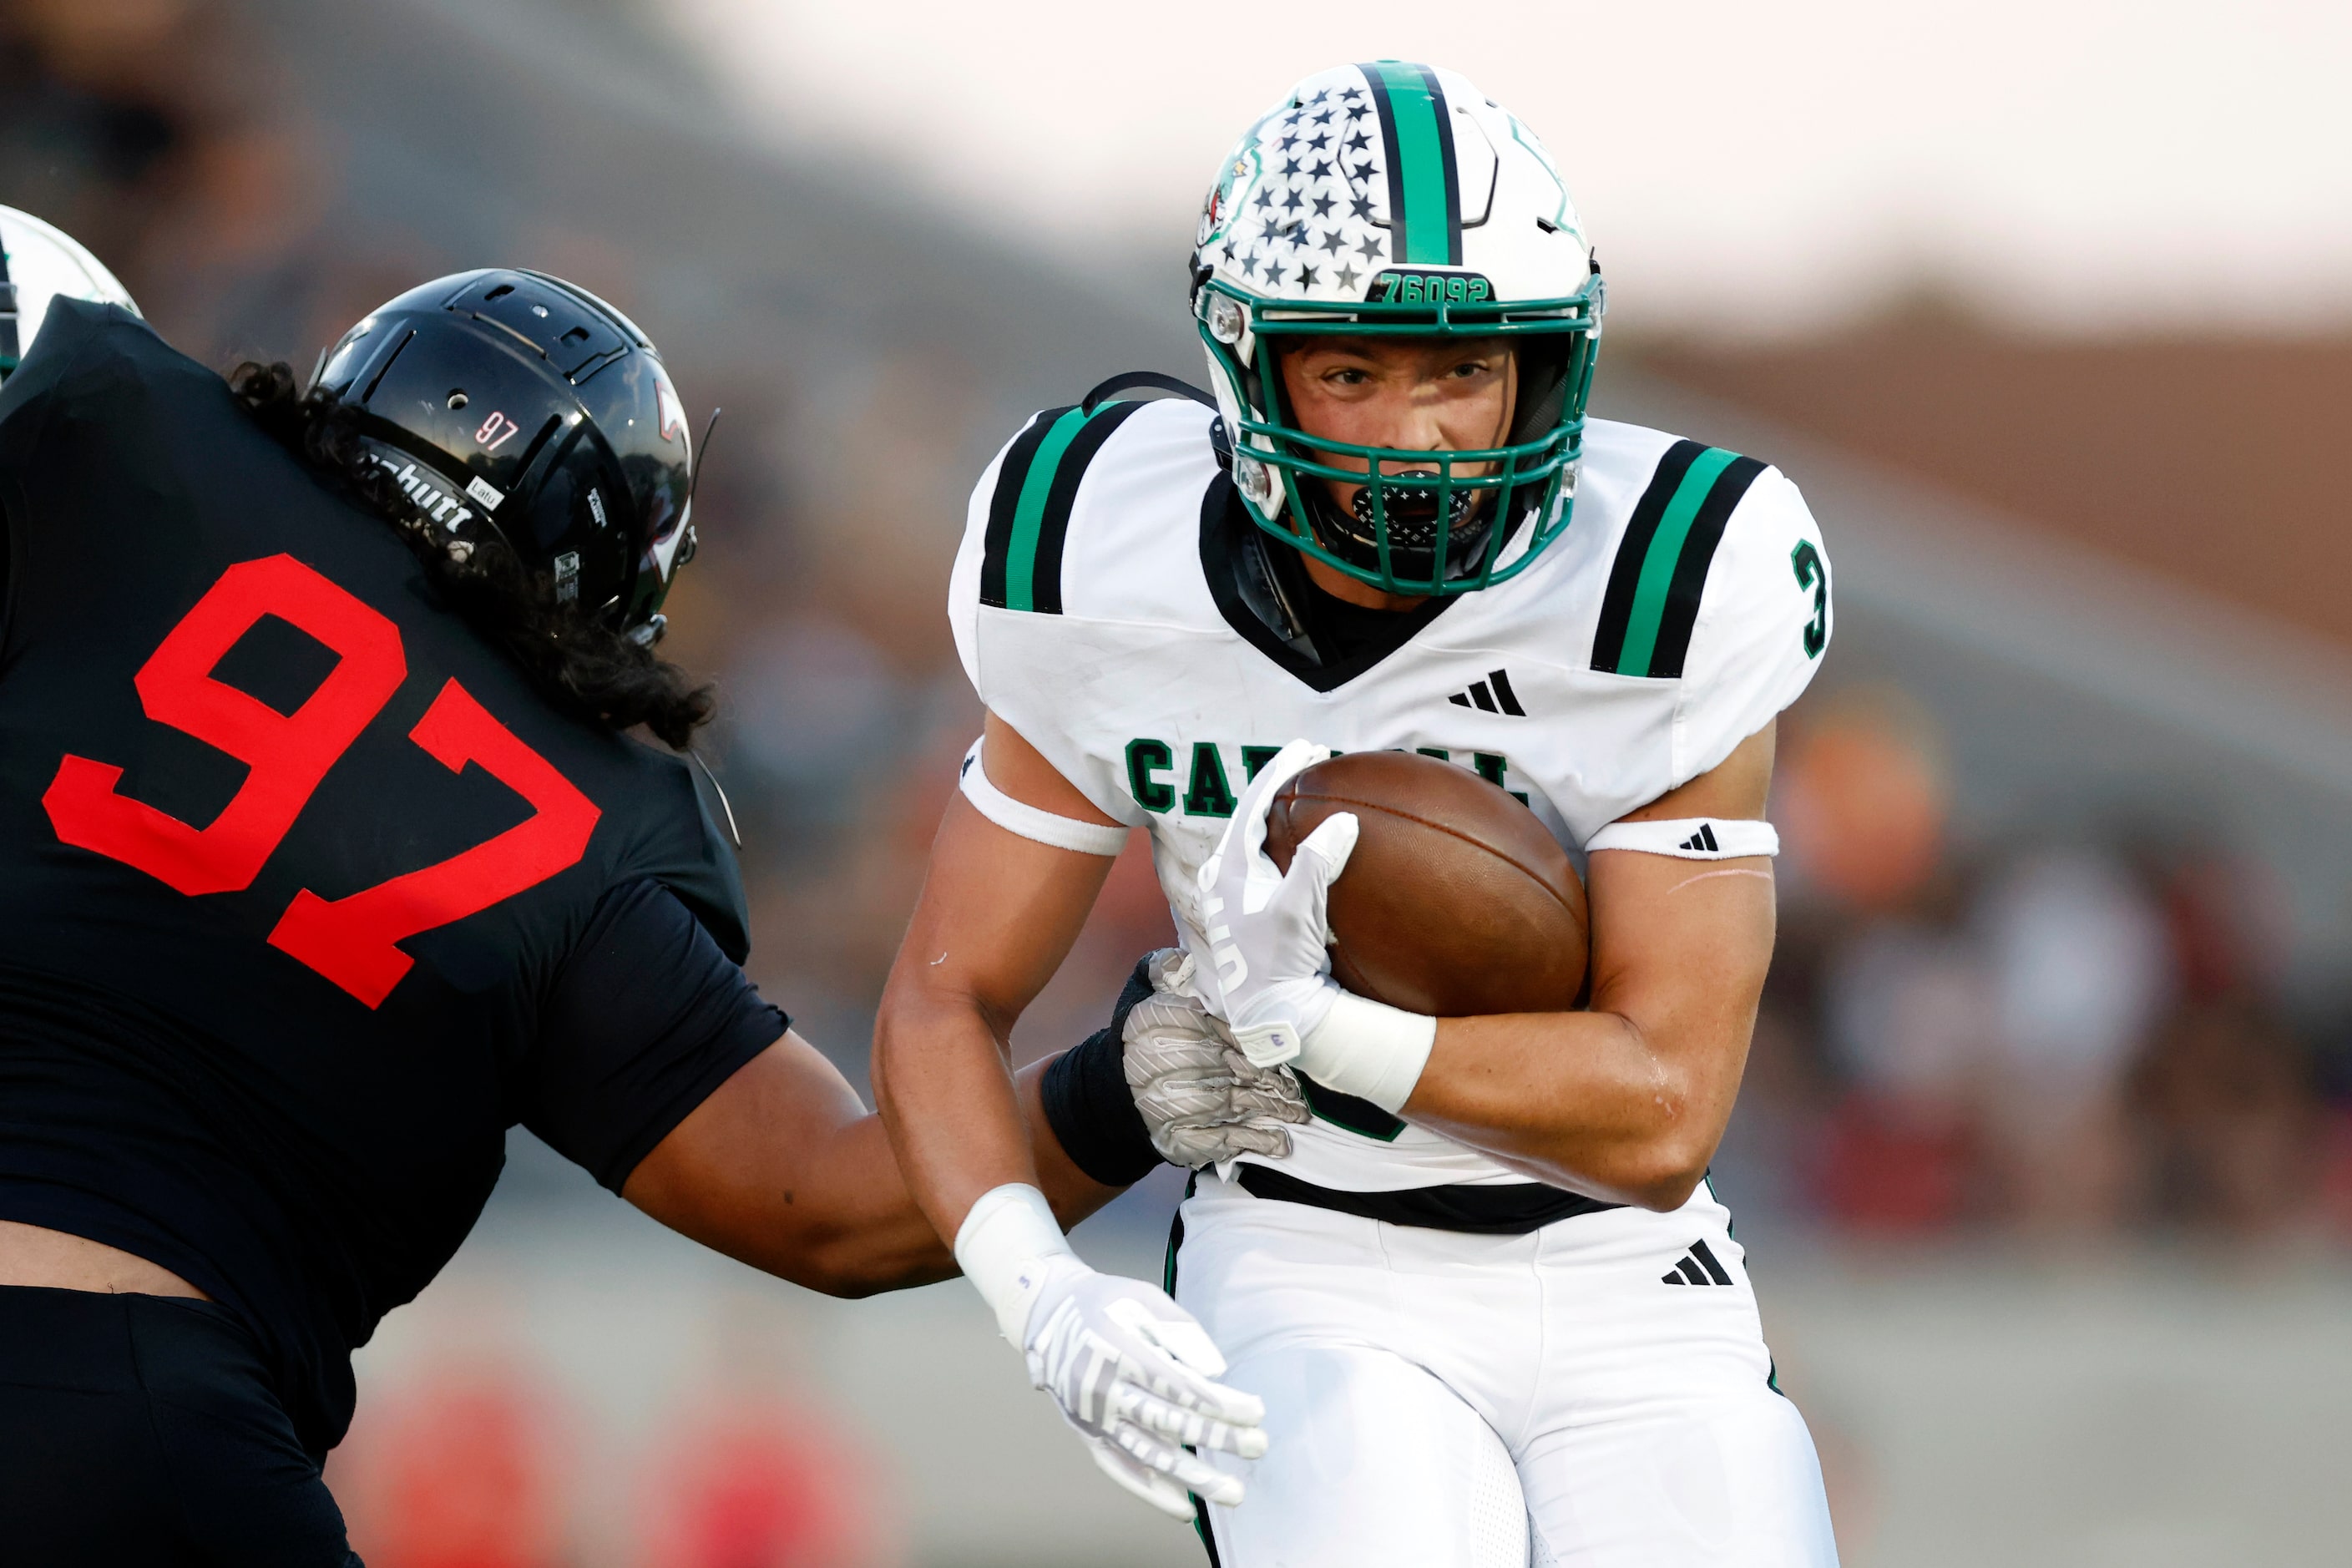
{"x": 998, "y": 910}
{"x": 1683, "y": 941}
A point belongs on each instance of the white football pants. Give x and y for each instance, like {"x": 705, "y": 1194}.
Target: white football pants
{"x": 1437, "y": 1400}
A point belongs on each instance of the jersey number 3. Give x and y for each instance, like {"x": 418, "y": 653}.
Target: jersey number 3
{"x": 351, "y": 940}
{"x": 1812, "y": 574}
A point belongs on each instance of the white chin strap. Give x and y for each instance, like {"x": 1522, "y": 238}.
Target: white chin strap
{"x": 1028, "y": 821}
{"x": 1690, "y": 838}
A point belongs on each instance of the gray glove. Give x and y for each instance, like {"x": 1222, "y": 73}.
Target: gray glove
{"x": 1202, "y": 1100}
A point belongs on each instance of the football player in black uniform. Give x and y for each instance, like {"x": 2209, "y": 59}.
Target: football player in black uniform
{"x": 324, "y": 858}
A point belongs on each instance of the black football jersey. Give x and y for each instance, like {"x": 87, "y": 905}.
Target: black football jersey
{"x": 306, "y": 895}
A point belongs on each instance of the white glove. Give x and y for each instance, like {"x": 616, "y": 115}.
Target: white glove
{"x": 1269, "y": 939}
{"x": 1130, "y": 1370}
{"x": 1203, "y": 1100}
{"x": 1269, "y": 943}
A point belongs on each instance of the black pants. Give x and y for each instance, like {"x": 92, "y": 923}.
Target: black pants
{"x": 141, "y": 1429}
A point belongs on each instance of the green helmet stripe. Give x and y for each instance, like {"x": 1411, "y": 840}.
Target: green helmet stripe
{"x": 1649, "y": 610}
{"x": 1424, "y": 189}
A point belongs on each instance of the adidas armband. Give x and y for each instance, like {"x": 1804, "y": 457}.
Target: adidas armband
{"x": 1690, "y": 838}
{"x": 1028, "y": 821}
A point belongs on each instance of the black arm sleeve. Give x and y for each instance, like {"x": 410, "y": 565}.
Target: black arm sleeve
{"x": 1088, "y": 1105}
{"x": 645, "y": 1020}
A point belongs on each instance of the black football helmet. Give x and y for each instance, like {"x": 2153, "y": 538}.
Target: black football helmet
{"x": 515, "y": 401}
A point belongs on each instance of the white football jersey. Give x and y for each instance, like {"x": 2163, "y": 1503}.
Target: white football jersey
{"x": 1687, "y": 603}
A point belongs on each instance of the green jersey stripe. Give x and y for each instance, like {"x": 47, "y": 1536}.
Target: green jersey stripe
{"x": 1029, "y": 512}
{"x": 1658, "y": 563}
{"x": 1680, "y": 616}
{"x": 1617, "y": 602}
{"x": 1004, "y": 500}
{"x": 1650, "y": 605}
{"x": 1053, "y": 528}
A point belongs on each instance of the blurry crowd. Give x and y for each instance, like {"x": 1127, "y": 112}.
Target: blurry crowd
{"x": 2067, "y": 1028}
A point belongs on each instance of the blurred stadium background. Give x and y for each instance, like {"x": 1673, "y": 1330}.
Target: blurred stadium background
{"x": 2044, "y": 1158}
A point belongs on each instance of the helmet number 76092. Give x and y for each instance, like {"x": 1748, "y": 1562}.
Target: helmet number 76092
{"x": 352, "y": 940}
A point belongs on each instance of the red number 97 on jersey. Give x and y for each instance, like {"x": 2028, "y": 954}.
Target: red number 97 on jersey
{"x": 350, "y": 941}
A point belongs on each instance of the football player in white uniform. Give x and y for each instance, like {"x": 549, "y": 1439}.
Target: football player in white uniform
{"x": 39, "y": 262}
{"x": 1493, "y": 1310}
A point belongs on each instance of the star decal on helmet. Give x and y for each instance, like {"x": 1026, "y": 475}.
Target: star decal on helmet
{"x": 1317, "y": 160}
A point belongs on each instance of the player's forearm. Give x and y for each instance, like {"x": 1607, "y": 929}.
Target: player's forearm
{"x": 997, "y": 915}
{"x": 1628, "y": 1100}
{"x": 827, "y": 1205}
{"x": 852, "y": 1228}
{"x": 878, "y": 1238}
{"x": 946, "y": 1095}
{"x": 1590, "y": 1101}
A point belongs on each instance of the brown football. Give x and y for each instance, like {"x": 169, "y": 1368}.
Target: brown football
{"x": 1456, "y": 900}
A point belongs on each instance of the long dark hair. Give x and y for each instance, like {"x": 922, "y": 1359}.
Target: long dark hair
{"x": 579, "y": 663}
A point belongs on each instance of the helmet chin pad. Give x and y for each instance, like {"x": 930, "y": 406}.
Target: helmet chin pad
{"x": 1413, "y": 510}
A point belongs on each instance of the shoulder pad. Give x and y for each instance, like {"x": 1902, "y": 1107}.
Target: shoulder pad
{"x": 1029, "y": 514}
{"x": 1655, "y": 586}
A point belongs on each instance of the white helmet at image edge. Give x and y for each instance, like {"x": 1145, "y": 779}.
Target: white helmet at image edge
{"x": 38, "y": 263}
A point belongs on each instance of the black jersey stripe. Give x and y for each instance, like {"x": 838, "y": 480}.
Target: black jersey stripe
{"x": 1011, "y": 476}
{"x": 1514, "y": 1208}
{"x": 1625, "y": 574}
{"x": 1053, "y": 528}
{"x": 1690, "y": 569}
{"x": 1360, "y": 1117}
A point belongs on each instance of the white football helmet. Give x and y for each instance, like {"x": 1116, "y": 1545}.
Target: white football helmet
{"x": 1393, "y": 199}
{"x": 37, "y": 264}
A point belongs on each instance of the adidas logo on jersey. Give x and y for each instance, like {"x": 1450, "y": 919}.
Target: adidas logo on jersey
{"x": 1493, "y": 694}
{"x": 1703, "y": 839}
{"x": 1698, "y": 1266}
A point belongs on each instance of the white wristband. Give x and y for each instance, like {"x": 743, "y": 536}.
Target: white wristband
{"x": 1031, "y": 822}
{"x": 1690, "y": 838}
{"x": 1368, "y": 1049}
{"x": 1002, "y": 1246}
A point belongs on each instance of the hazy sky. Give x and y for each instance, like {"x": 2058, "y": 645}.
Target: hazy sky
{"x": 1740, "y": 165}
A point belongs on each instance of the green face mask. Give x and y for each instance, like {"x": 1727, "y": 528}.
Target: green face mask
{"x": 1423, "y": 523}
